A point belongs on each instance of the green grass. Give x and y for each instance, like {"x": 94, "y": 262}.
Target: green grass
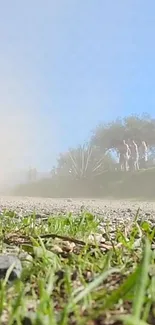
{"x": 77, "y": 271}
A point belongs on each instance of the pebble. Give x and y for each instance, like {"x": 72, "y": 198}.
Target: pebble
{"x": 6, "y": 261}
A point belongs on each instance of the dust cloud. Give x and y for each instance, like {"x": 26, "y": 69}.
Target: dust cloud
{"x": 18, "y": 126}
{"x": 16, "y": 142}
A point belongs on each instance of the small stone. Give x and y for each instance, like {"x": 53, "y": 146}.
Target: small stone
{"x": 5, "y": 263}
{"x": 68, "y": 246}
{"x": 56, "y": 249}
{"x": 37, "y": 216}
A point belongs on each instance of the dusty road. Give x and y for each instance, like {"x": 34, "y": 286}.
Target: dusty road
{"x": 110, "y": 209}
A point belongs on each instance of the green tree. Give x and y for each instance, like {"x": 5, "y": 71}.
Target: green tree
{"x": 139, "y": 128}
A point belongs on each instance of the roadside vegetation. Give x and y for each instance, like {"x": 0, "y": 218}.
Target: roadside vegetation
{"x": 111, "y": 184}
{"x": 91, "y": 169}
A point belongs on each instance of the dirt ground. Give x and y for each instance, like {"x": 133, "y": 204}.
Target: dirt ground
{"x": 110, "y": 209}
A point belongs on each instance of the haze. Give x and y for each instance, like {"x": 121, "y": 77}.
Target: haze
{"x": 65, "y": 66}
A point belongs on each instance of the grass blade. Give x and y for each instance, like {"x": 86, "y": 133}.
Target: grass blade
{"x": 122, "y": 290}
{"x": 142, "y": 281}
{"x": 131, "y": 320}
{"x": 95, "y": 283}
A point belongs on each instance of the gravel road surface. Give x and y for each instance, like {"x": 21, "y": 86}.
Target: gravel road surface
{"x": 109, "y": 209}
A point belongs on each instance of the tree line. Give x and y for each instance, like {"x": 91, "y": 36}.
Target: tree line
{"x": 100, "y": 152}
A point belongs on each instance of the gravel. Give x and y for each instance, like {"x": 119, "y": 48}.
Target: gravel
{"x": 109, "y": 209}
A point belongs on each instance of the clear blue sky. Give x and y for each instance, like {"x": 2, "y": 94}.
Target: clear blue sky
{"x": 71, "y": 64}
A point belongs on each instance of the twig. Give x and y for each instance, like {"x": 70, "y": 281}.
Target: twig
{"x": 64, "y": 238}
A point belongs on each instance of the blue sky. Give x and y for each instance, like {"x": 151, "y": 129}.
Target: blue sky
{"x": 66, "y": 65}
